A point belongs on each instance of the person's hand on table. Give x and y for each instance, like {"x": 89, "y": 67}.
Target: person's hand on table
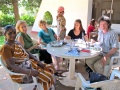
{"x": 58, "y": 38}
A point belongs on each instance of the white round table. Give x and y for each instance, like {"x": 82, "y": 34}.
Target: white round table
{"x": 61, "y": 52}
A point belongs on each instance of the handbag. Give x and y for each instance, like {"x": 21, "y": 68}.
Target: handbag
{"x": 26, "y": 65}
{"x": 96, "y": 77}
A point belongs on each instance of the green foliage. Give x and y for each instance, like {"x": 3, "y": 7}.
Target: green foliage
{"x": 29, "y": 19}
{"x": 6, "y": 6}
{"x": 2, "y": 40}
{"x": 6, "y": 19}
{"x": 31, "y": 6}
{"x": 48, "y": 17}
{"x": 9, "y": 19}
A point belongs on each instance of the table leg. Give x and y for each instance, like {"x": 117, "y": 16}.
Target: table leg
{"x": 72, "y": 68}
{"x": 70, "y": 79}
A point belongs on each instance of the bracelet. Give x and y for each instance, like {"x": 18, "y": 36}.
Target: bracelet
{"x": 30, "y": 72}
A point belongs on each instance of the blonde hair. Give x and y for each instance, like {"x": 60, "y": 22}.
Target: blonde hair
{"x": 19, "y": 22}
{"x": 42, "y": 22}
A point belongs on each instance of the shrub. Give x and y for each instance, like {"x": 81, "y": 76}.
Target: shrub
{"x": 9, "y": 19}
{"x": 48, "y": 17}
{"x": 29, "y": 19}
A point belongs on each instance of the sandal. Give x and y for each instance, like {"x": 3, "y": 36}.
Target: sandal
{"x": 59, "y": 74}
{"x": 59, "y": 71}
{"x": 62, "y": 76}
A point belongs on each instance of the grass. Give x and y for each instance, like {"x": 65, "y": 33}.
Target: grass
{"x": 1, "y": 41}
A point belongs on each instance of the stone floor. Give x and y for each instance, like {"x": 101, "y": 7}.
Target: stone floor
{"x": 6, "y": 83}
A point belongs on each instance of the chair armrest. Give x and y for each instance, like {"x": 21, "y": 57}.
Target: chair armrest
{"x": 82, "y": 79}
{"x": 13, "y": 73}
{"x": 112, "y": 60}
{"x": 81, "y": 82}
{"x": 88, "y": 84}
{"x": 105, "y": 85}
{"x": 10, "y": 72}
{"x": 115, "y": 73}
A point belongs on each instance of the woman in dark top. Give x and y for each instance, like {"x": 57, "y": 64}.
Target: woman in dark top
{"x": 77, "y": 32}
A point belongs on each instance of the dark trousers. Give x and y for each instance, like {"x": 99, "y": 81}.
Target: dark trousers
{"x": 45, "y": 56}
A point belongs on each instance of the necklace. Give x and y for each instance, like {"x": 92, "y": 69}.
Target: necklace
{"x": 10, "y": 43}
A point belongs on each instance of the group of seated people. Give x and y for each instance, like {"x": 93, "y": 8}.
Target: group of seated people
{"x": 19, "y": 46}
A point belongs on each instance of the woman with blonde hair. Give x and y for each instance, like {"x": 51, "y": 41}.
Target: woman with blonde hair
{"x": 45, "y": 36}
{"x": 27, "y": 43}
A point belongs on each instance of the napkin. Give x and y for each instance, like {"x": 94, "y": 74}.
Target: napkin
{"x": 85, "y": 50}
{"x": 73, "y": 52}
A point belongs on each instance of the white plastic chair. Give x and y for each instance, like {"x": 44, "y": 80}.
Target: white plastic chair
{"x": 18, "y": 86}
{"x": 112, "y": 84}
{"x": 36, "y": 55}
{"x": 108, "y": 68}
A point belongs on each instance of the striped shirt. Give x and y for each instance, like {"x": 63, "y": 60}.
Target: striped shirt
{"x": 108, "y": 40}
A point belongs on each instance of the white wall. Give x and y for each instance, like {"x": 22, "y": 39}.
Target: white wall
{"x": 74, "y": 9}
{"x": 116, "y": 27}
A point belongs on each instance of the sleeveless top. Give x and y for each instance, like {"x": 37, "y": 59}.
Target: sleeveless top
{"x": 27, "y": 40}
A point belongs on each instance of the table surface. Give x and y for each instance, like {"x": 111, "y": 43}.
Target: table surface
{"x": 70, "y": 78}
{"x": 61, "y": 52}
